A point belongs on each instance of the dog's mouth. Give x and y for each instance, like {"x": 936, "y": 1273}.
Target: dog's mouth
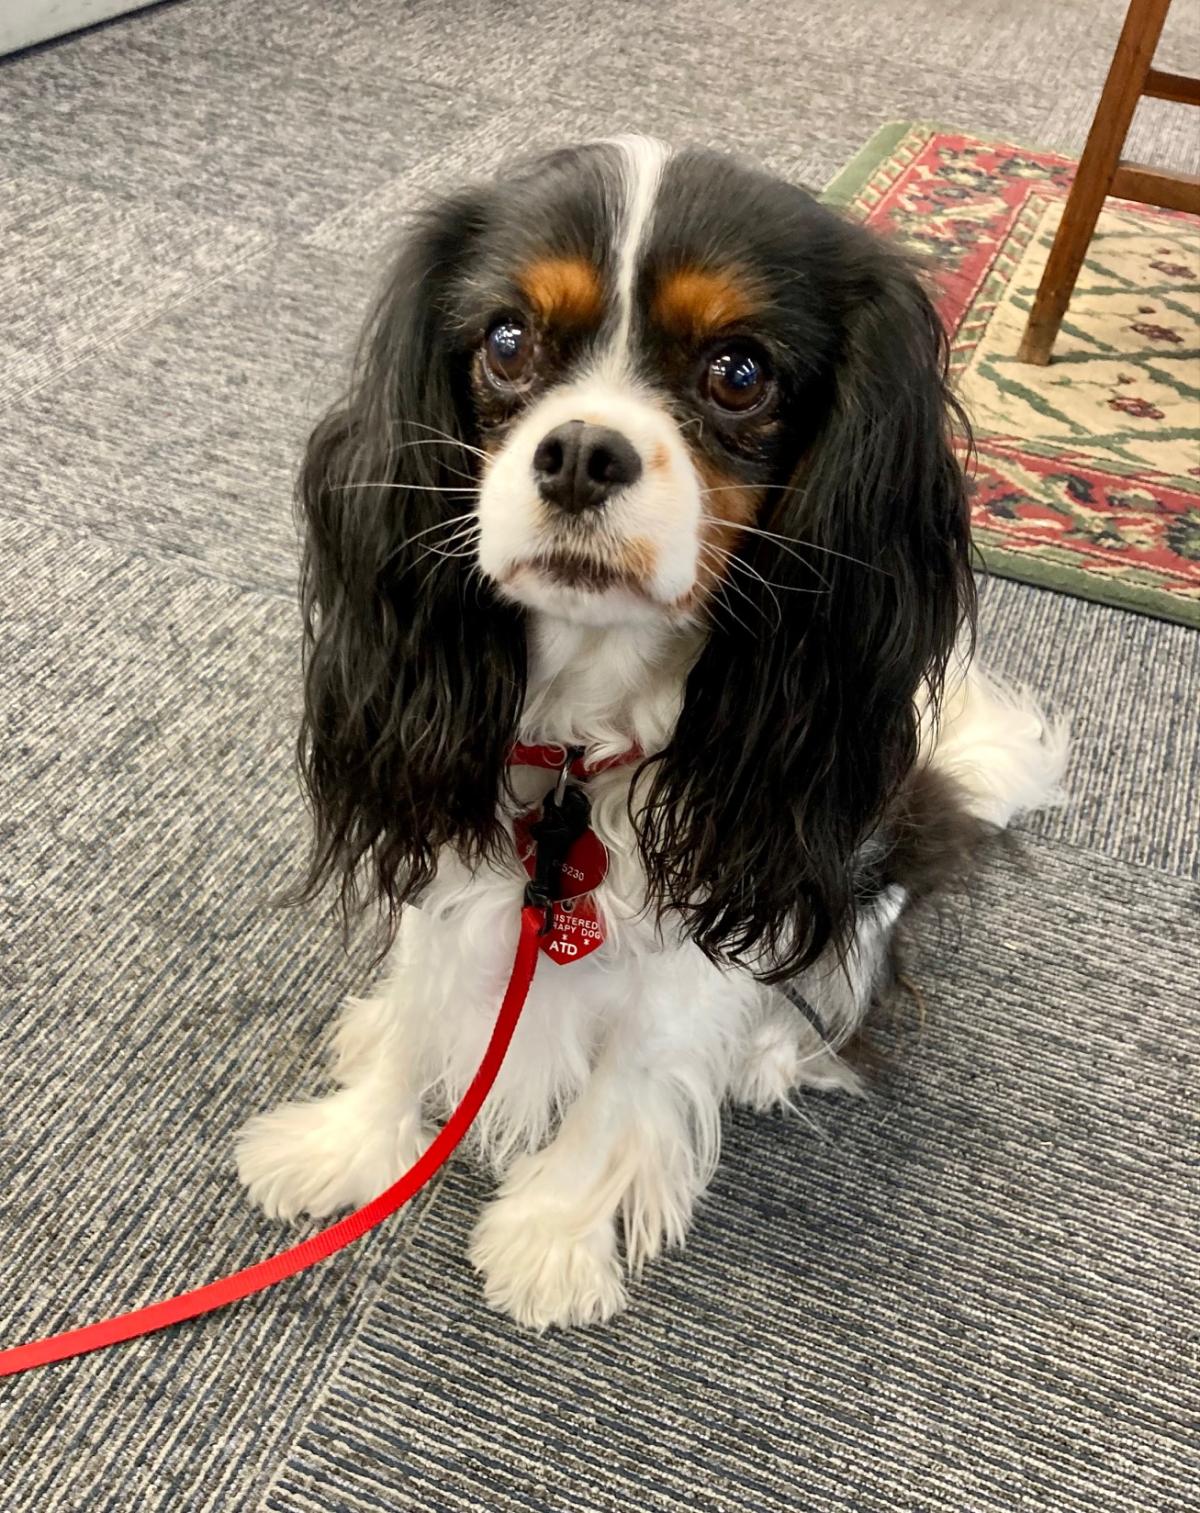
{"x": 584, "y": 573}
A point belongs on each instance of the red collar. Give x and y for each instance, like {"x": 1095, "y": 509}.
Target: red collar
{"x": 553, "y": 757}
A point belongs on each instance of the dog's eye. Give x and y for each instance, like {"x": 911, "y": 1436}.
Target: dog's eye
{"x": 508, "y": 351}
{"x": 736, "y": 379}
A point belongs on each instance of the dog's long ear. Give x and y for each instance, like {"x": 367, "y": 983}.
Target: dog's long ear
{"x": 414, "y": 673}
{"x": 799, "y": 724}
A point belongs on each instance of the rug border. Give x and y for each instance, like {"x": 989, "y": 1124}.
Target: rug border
{"x": 853, "y": 176}
{"x": 1080, "y": 584}
{"x": 999, "y": 561}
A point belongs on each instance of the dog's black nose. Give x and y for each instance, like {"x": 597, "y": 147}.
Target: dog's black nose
{"x": 578, "y": 466}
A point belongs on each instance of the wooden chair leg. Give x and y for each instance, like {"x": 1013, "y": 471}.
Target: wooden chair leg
{"x": 1122, "y": 89}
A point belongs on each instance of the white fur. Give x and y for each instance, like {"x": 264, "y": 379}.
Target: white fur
{"x": 606, "y": 1113}
{"x": 643, "y": 160}
{"x": 998, "y": 745}
{"x": 661, "y": 512}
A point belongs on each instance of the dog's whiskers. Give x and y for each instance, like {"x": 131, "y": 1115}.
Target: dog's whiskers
{"x": 445, "y": 436}
{"x": 723, "y": 558}
{"x": 790, "y": 546}
{"x": 415, "y": 488}
{"x": 453, "y": 527}
{"x": 468, "y": 517}
{"x": 432, "y": 441}
{"x": 716, "y": 597}
{"x": 784, "y": 588}
{"x": 465, "y": 537}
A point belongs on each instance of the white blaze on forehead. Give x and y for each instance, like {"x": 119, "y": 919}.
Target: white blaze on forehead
{"x": 642, "y": 162}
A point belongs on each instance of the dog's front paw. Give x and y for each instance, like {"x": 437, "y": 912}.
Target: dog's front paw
{"x": 336, "y": 1152}
{"x": 542, "y": 1268}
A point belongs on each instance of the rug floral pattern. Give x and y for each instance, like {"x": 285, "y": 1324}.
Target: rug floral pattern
{"x": 1087, "y": 476}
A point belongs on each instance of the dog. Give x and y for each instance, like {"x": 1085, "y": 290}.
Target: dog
{"x": 651, "y": 455}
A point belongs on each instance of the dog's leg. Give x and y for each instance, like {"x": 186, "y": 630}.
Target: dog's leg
{"x": 786, "y": 1049}
{"x": 639, "y": 1142}
{"x": 340, "y": 1151}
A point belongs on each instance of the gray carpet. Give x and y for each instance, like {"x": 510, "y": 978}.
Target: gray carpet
{"x": 975, "y": 1290}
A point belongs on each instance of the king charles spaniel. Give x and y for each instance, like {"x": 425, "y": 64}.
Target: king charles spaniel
{"x": 649, "y": 454}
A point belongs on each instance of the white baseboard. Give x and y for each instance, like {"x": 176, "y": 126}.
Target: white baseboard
{"x": 23, "y": 22}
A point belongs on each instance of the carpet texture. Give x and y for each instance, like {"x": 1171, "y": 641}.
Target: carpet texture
{"x": 976, "y": 1289}
{"x": 1087, "y": 473}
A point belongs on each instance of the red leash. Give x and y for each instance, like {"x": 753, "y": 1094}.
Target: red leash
{"x": 214, "y": 1295}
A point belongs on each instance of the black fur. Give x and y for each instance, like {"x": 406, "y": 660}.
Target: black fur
{"x": 930, "y": 843}
{"x": 414, "y": 672}
{"x": 794, "y": 740}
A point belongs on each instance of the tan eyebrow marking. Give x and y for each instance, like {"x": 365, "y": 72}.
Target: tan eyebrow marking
{"x": 564, "y": 289}
{"x": 696, "y": 302}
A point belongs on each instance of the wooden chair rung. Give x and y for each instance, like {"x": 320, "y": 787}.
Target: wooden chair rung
{"x": 1153, "y": 186}
{"x": 1176, "y": 87}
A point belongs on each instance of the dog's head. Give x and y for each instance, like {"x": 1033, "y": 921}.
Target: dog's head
{"x": 624, "y": 386}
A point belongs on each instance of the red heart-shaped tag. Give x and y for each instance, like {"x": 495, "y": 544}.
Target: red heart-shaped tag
{"x": 577, "y": 931}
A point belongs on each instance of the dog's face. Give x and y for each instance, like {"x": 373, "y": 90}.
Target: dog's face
{"x": 641, "y": 333}
{"x": 622, "y": 387}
